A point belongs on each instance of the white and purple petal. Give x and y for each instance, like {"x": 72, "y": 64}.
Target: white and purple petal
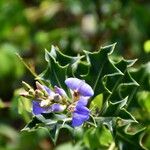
{"x": 57, "y": 108}
{"x": 37, "y": 109}
{"x": 80, "y": 86}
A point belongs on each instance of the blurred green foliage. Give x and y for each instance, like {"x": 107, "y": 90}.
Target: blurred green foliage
{"x": 28, "y": 27}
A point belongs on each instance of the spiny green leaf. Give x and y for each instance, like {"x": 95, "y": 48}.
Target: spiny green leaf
{"x": 65, "y": 60}
{"x": 129, "y": 141}
{"x": 110, "y": 122}
{"x": 142, "y": 76}
{"x": 54, "y": 74}
{"x": 127, "y": 84}
{"x": 121, "y": 85}
{"x": 80, "y": 68}
{"x": 62, "y": 58}
{"x": 117, "y": 110}
{"x": 32, "y": 124}
{"x": 55, "y": 130}
{"x": 123, "y": 64}
{"x": 112, "y": 82}
{"x": 100, "y": 67}
{"x": 52, "y": 122}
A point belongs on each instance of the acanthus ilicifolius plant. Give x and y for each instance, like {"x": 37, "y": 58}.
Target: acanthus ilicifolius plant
{"x": 89, "y": 95}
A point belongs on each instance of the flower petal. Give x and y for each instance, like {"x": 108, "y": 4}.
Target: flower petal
{"x": 85, "y": 90}
{"x": 82, "y": 101}
{"x": 81, "y": 113}
{"x": 73, "y": 83}
{"x": 57, "y": 108}
{"x": 76, "y": 84}
{"x": 79, "y": 119}
{"x": 82, "y": 110}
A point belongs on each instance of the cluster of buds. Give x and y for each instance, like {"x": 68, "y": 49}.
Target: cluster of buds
{"x": 45, "y": 97}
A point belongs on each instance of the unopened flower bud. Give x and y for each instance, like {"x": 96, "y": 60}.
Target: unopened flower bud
{"x": 39, "y": 93}
{"x": 41, "y": 88}
{"x": 31, "y": 92}
{"x": 57, "y": 98}
{"x": 26, "y": 86}
{"x": 45, "y": 93}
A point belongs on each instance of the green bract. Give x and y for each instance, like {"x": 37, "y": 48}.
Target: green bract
{"x": 110, "y": 122}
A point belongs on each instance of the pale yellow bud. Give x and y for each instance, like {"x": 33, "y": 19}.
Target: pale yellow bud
{"x": 31, "y": 92}
{"x": 26, "y": 86}
{"x": 39, "y": 93}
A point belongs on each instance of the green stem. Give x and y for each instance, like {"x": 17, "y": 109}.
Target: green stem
{"x": 21, "y": 59}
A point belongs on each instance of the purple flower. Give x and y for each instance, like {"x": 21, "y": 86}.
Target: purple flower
{"x": 43, "y": 105}
{"x": 82, "y": 92}
{"x": 79, "y": 86}
{"x": 81, "y": 112}
{"x": 53, "y": 102}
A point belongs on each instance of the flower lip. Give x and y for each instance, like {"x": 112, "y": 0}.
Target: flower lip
{"x": 79, "y": 85}
{"x": 81, "y": 112}
{"x": 78, "y": 119}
